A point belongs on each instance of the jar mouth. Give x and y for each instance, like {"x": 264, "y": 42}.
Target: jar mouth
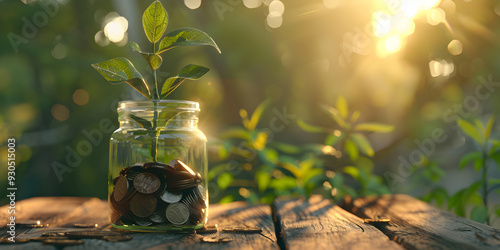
{"x": 162, "y": 104}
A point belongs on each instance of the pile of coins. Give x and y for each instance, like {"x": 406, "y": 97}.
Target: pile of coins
{"x": 157, "y": 194}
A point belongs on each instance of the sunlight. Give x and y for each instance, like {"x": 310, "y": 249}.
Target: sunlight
{"x": 395, "y": 21}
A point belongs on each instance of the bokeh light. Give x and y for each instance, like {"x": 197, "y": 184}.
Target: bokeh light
{"x": 274, "y": 20}
{"x": 192, "y": 4}
{"x": 455, "y": 47}
{"x": 60, "y": 112}
{"x": 276, "y": 7}
{"x": 60, "y": 51}
{"x": 251, "y": 4}
{"x": 81, "y": 97}
{"x": 441, "y": 68}
{"x": 436, "y": 16}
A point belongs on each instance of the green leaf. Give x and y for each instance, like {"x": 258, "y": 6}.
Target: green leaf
{"x": 354, "y": 117}
{"x": 342, "y": 107}
{"x": 489, "y": 127}
{"x": 186, "y": 37}
{"x": 283, "y": 183}
{"x": 191, "y": 72}
{"x": 352, "y": 171}
{"x": 468, "y": 158}
{"x": 119, "y": 70}
{"x": 333, "y": 139}
{"x": 224, "y": 180}
{"x": 254, "y": 120}
{"x": 480, "y": 127}
{"x": 134, "y": 46}
{"x": 226, "y": 199}
{"x": 154, "y": 61}
{"x": 238, "y": 133}
{"x": 351, "y": 149}
{"x": 263, "y": 179}
{"x": 479, "y": 214}
{"x": 309, "y": 128}
{"x": 470, "y": 130}
{"x": 363, "y": 144}
{"x": 478, "y": 164}
{"x": 166, "y": 116}
{"x": 336, "y": 116}
{"x": 155, "y": 21}
{"x": 374, "y": 127}
{"x": 143, "y": 122}
{"x": 285, "y": 147}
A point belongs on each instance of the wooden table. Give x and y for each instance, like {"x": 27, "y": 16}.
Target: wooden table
{"x": 288, "y": 224}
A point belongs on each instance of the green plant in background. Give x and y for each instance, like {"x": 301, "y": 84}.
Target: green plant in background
{"x": 427, "y": 176}
{"x": 120, "y": 70}
{"x": 347, "y": 136}
{"x": 260, "y": 169}
{"x": 476, "y": 194}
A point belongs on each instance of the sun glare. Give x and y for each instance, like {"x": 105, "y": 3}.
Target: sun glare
{"x": 395, "y": 21}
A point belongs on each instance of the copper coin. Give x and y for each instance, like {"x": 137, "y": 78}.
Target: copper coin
{"x": 121, "y": 188}
{"x": 117, "y": 206}
{"x": 147, "y": 183}
{"x": 157, "y": 165}
{"x": 177, "y": 213}
{"x": 143, "y": 205}
{"x": 181, "y": 166}
{"x": 63, "y": 242}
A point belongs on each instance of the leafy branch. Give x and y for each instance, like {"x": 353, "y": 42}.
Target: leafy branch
{"x": 121, "y": 70}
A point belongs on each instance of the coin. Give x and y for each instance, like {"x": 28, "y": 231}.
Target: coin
{"x": 170, "y": 197}
{"x": 180, "y": 183}
{"x": 63, "y": 242}
{"x": 146, "y": 183}
{"x": 143, "y": 205}
{"x": 177, "y": 213}
{"x": 121, "y": 188}
{"x": 117, "y": 238}
{"x": 143, "y": 221}
{"x": 201, "y": 191}
{"x": 180, "y": 166}
{"x": 158, "y": 217}
{"x": 117, "y": 206}
{"x": 89, "y": 234}
{"x": 215, "y": 239}
{"x": 242, "y": 230}
{"x": 157, "y": 165}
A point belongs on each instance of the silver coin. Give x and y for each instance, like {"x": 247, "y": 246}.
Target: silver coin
{"x": 142, "y": 221}
{"x": 170, "y": 197}
{"x": 177, "y": 213}
{"x": 157, "y": 218}
{"x": 201, "y": 189}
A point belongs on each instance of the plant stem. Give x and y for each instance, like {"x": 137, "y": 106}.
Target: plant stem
{"x": 156, "y": 98}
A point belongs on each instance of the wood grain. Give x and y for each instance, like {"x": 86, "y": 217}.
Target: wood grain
{"x": 417, "y": 225}
{"x": 63, "y": 212}
{"x": 318, "y": 224}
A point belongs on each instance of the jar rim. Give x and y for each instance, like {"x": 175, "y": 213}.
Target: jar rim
{"x": 174, "y": 104}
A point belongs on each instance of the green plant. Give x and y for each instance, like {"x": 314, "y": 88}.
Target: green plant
{"x": 477, "y": 193}
{"x": 259, "y": 169}
{"x": 120, "y": 70}
{"x": 347, "y": 136}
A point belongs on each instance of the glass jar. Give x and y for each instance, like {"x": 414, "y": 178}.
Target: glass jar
{"x": 157, "y": 170}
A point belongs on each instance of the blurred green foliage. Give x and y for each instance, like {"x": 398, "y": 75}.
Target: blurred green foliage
{"x": 52, "y": 99}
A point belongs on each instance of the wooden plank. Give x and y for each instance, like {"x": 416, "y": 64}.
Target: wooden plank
{"x": 318, "y": 224}
{"x": 417, "y": 225}
{"x": 63, "y": 212}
